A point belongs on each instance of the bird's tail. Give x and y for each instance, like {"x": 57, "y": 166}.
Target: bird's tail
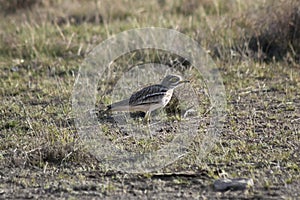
{"x": 119, "y": 106}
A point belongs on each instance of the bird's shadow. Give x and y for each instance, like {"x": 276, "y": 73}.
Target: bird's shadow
{"x": 108, "y": 117}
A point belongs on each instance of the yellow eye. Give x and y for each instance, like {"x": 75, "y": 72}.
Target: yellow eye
{"x": 174, "y": 79}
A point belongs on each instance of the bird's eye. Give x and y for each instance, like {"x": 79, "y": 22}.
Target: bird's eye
{"x": 174, "y": 79}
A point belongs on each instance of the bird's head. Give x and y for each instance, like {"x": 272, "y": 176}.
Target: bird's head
{"x": 172, "y": 81}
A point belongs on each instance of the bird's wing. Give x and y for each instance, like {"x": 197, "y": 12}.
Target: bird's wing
{"x": 148, "y": 95}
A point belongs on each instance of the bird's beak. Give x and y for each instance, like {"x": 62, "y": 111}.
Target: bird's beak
{"x": 184, "y": 81}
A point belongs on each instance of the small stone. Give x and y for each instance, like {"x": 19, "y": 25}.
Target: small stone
{"x": 233, "y": 184}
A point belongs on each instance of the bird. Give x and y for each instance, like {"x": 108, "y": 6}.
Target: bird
{"x": 149, "y": 98}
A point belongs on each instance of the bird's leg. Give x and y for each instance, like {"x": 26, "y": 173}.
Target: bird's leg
{"x": 147, "y": 117}
{"x": 146, "y": 122}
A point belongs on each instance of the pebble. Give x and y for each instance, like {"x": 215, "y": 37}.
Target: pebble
{"x": 233, "y": 184}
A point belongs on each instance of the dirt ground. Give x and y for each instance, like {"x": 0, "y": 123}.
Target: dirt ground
{"x": 87, "y": 184}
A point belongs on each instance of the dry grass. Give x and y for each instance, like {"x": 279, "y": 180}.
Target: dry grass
{"x": 274, "y": 32}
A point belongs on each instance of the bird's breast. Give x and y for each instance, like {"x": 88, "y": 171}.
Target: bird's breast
{"x": 167, "y": 97}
